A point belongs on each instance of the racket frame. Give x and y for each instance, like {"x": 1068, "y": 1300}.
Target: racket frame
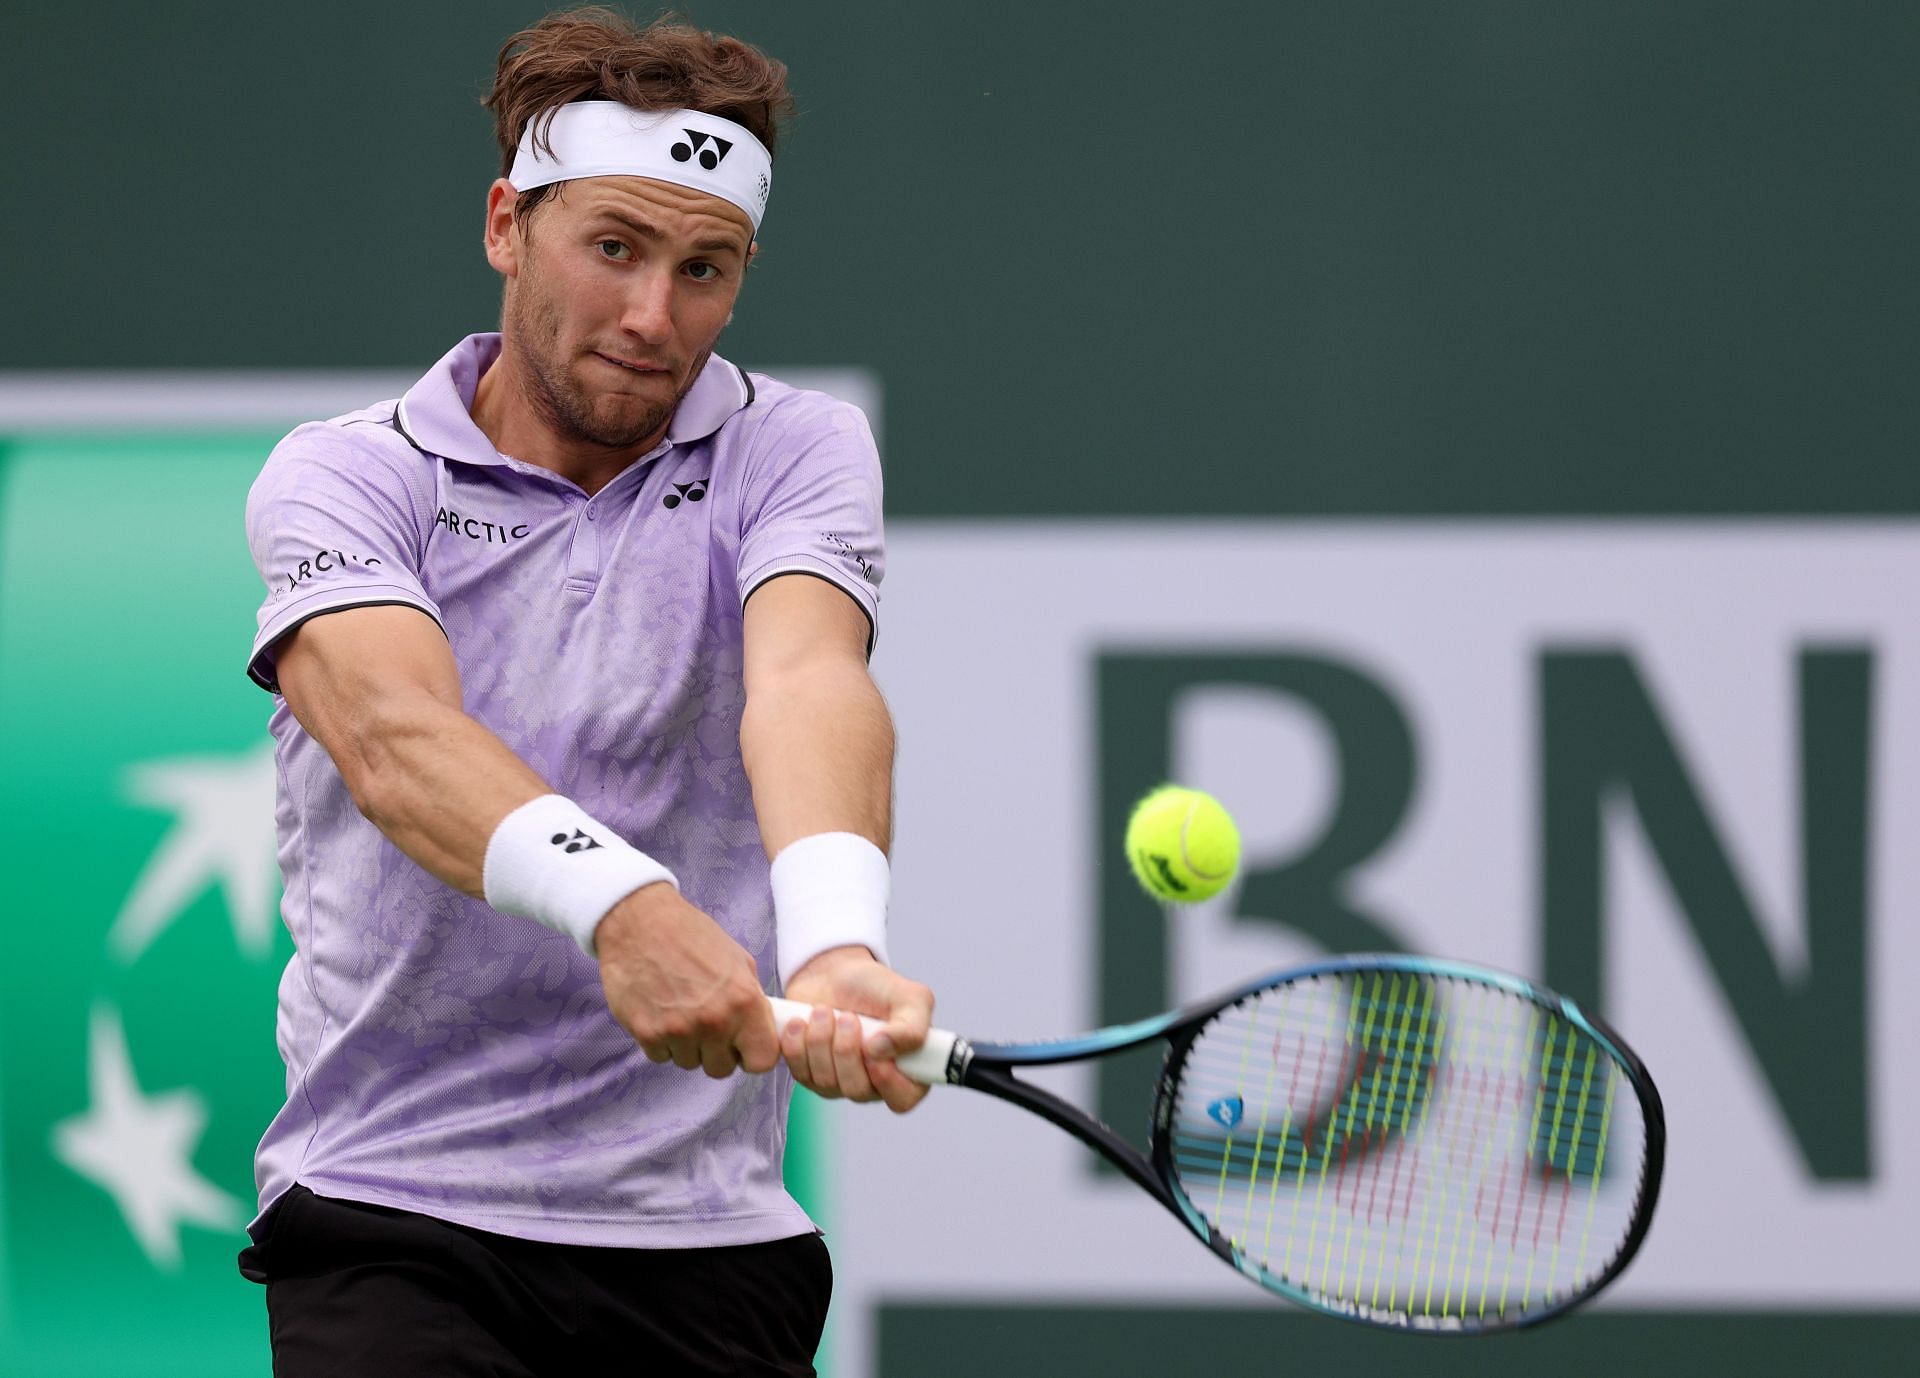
{"x": 989, "y": 1068}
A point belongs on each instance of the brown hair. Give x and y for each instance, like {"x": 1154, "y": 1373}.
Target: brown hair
{"x": 595, "y": 53}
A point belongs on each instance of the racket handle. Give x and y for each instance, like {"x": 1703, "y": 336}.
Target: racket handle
{"x": 926, "y": 1064}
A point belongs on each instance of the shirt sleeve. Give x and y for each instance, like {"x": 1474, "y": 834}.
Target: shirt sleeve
{"x": 333, "y": 523}
{"x": 810, "y": 503}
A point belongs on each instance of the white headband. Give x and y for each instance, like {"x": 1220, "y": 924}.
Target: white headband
{"x": 603, "y": 138}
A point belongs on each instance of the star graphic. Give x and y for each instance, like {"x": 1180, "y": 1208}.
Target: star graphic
{"x": 223, "y": 833}
{"x": 139, "y": 1149}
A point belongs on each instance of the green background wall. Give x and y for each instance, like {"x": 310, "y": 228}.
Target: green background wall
{"x": 1378, "y": 256}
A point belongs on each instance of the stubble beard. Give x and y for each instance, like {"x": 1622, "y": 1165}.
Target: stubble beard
{"x": 558, "y": 399}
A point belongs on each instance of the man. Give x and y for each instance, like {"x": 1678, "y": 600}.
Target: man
{"x": 569, "y": 641}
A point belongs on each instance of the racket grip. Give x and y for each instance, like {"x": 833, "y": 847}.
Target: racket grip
{"x": 926, "y": 1064}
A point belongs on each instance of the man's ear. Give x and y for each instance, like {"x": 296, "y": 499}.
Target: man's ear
{"x": 503, "y": 239}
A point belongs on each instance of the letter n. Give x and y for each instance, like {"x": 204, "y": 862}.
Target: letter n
{"x": 1604, "y": 750}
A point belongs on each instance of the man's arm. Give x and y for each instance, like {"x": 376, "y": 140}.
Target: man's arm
{"x": 378, "y": 688}
{"x": 817, "y": 742}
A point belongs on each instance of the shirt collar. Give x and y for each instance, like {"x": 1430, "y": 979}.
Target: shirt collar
{"x": 436, "y": 413}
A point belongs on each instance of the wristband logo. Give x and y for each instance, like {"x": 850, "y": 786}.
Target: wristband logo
{"x": 579, "y": 842}
{"x": 710, "y": 158}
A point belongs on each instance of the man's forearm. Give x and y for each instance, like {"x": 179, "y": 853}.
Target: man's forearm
{"x": 378, "y": 689}
{"x": 818, "y": 747}
{"x": 437, "y": 783}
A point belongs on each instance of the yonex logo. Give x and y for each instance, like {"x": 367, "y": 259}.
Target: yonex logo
{"x": 709, "y": 158}
{"x": 1227, "y": 1111}
{"x": 692, "y": 492}
{"x": 579, "y": 842}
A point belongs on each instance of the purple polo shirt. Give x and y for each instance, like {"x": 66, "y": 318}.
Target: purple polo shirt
{"x": 443, "y": 1057}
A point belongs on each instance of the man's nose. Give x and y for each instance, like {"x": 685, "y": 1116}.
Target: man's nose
{"x": 649, "y": 307}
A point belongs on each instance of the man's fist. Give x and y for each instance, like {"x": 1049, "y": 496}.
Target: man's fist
{"x": 830, "y": 1056}
{"x": 687, "y": 992}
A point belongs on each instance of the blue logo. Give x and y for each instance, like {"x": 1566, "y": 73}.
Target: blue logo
{"x": 1227, "y": 1111}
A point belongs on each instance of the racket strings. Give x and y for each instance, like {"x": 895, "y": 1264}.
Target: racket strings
{"x": 1423, "y": 1144}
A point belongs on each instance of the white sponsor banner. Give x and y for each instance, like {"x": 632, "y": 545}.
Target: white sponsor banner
{"x": 167, "y": 399}
{"x": 992, "y": 633}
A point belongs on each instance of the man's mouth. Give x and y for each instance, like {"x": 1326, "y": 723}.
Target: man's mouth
{"x": 631, "y": 365}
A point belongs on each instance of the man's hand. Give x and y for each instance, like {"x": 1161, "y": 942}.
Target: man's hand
{"x": 687, "y": 992}
{"x": 827, "y": 1056}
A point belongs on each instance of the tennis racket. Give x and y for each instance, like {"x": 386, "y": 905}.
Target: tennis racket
{"x": 1411, "y": 1143}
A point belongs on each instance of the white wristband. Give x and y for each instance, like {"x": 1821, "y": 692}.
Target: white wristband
{"x": 552, "y": 861}
{"x": 829, "y": 890}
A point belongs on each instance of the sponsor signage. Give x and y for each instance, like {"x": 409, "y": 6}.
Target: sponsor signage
{"x": 1667, "y": 767}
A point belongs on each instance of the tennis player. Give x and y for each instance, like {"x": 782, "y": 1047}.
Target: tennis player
{"x": 568, "y": 641}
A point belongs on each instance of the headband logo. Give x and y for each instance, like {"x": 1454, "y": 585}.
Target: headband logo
{"x": 710, "y": 158}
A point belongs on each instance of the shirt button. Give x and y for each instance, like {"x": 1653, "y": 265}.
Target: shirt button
{"x": 590, "y": 516}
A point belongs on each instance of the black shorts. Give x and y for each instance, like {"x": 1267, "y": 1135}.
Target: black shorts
{"x": 373, "y": 1292}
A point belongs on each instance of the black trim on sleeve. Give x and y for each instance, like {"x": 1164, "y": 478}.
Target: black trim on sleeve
{"x": 873, "y": 630}
{"x": 273, "y": 686}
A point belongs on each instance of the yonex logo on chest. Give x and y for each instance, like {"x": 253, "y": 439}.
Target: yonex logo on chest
{"x": 688, "y": 492}
{"x": 710, "y": 149}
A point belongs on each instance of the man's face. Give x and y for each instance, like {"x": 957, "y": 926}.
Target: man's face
{"x": 617, "y": 288}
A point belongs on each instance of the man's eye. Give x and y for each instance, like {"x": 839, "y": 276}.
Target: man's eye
{"x": 703, "y": 272}
{"x": 611, "y": 248}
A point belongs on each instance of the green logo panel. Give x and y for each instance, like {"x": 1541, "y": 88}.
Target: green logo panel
{"x": 142, "y": 942}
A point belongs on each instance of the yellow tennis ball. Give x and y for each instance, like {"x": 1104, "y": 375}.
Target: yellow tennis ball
{"x": 1182, "y": 845}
